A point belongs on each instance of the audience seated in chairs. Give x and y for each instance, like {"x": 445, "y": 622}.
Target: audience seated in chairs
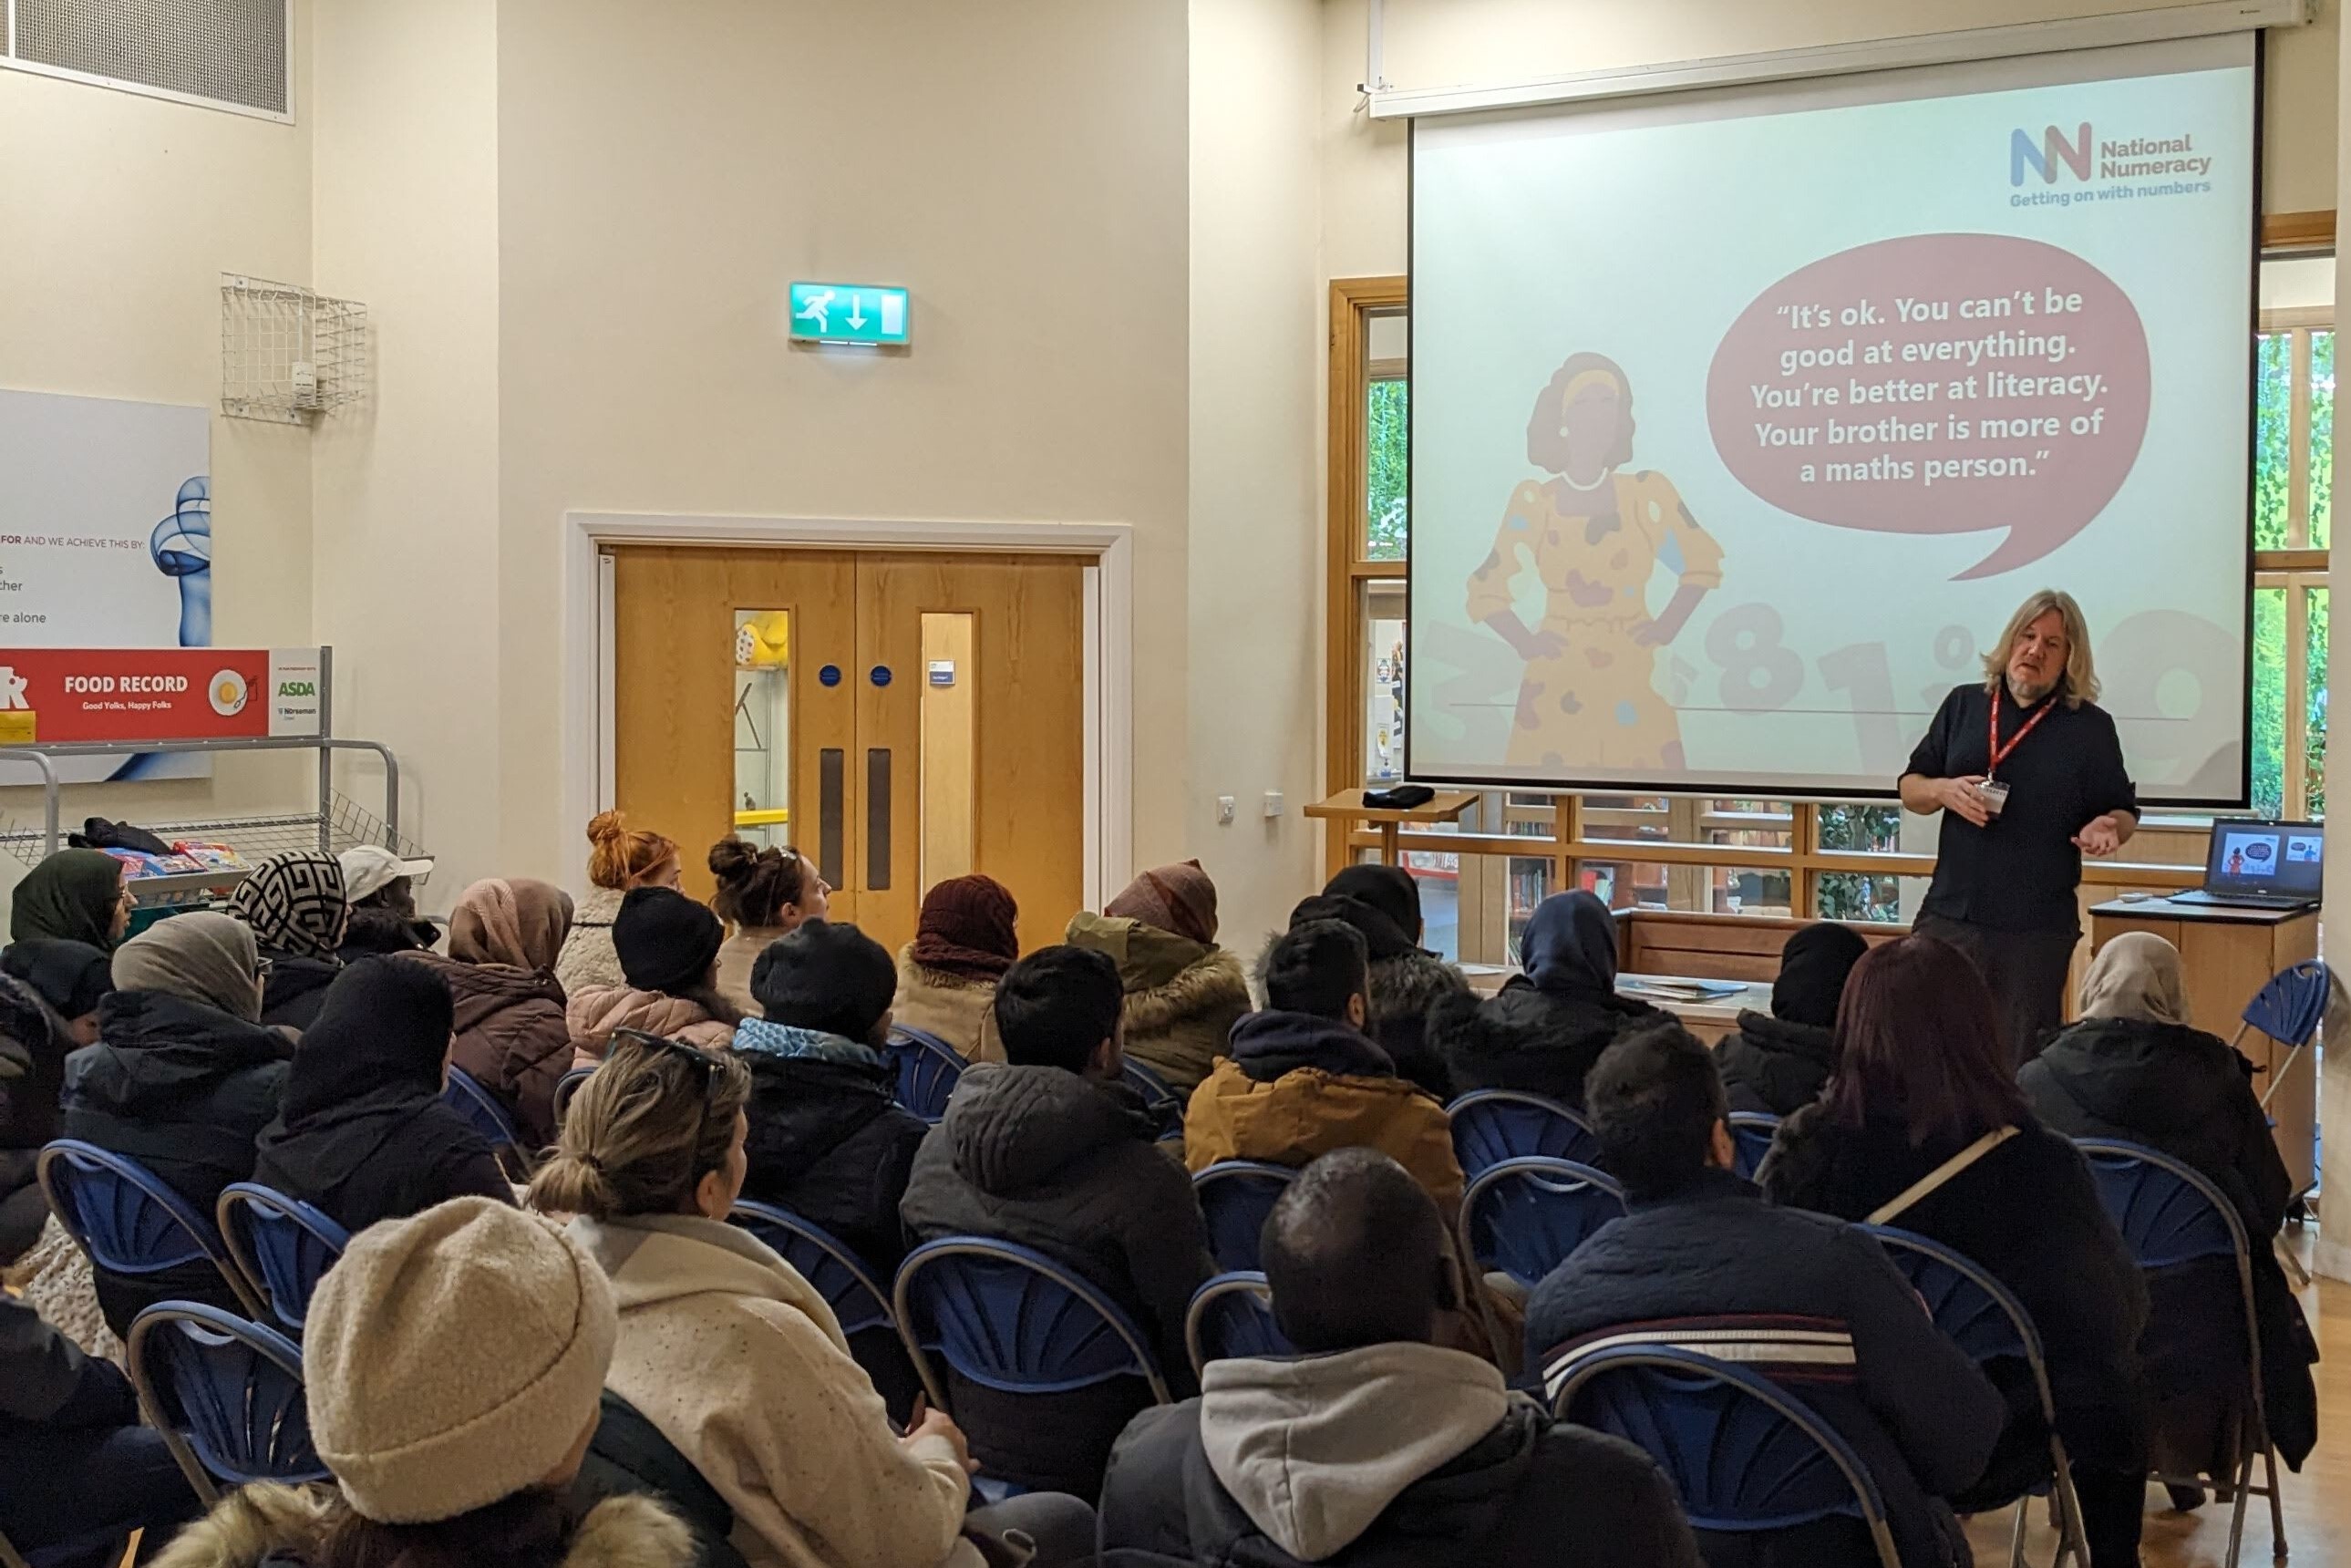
{"x": 364, "y": 1133}
{"x": 1922, "y": 1080}
{"x": 33, "y": 1044}
{"x": 183, "y": 1079}
{"x": 1304, "y": 1079}
{"x": 733, "y": 1356}
{"x": 1054, "y": 1152}
{"x": 1546, "y": 1028}
{"x": 765, "y": 895}
{"x": 964, "y": 942}
{"x": 76, "y": 1465}
{"x": 454, "y": 1364}
{"x": 668, "y": 946}
{"x": 1374, "y": 1445}
{"x": 1775, "y": 1063}
{"x": 1183, "y": 993}
{"x": 827, "y": 1141}
{"x": 1700, "y": 1262}
{"x": 2134, "y": 1069}
{"x": 504, "y": 939}
{"x": 1382, "y": 902}
{"x": 294, "y": 904}
{"x": 382, "y": 897}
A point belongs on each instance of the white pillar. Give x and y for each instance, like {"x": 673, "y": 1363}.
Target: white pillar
{"x": 2332, "y": 1257}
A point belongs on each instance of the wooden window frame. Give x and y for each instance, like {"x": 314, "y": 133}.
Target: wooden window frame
{"x": 2300, "y": 566}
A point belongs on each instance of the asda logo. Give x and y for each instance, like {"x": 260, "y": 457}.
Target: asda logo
{"x": 297, "y": 689}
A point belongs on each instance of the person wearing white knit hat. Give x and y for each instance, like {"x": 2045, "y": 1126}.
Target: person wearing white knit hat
{"x": 454, "y": 1364}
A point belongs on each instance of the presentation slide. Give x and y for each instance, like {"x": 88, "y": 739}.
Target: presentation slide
{"x": 1742, "y": 420}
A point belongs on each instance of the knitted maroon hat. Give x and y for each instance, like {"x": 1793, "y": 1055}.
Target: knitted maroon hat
{"x": 966, "y": 928}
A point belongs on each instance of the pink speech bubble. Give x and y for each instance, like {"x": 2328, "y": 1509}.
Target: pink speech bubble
{"x": 1937, "y": 384}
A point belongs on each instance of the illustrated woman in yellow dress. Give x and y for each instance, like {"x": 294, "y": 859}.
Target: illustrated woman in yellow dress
{"x": 1594, "y": 533}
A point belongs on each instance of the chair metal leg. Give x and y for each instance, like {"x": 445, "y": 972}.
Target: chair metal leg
{"x": 2277, "y": 1507}
{"x": 2292, "y": 1264}
{"x": 2016, "y": 1547}
{"x": 2237, "y": 1510}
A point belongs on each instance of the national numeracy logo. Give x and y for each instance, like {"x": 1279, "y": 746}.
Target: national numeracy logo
{"x": 2052, "y": 153}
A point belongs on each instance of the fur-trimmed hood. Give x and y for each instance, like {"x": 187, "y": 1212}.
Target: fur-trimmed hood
{"x": 1183, "y": 997}
{"x": 255, "y": 1524}
{"x": 952, "y": 1008}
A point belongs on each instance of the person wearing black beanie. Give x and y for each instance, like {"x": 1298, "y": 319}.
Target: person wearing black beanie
{"x": 668, "y": 948}
{"x": 1776, "y": 1062}
{"x": 827, "y": 1140}
{"x": 1382, "y": 902}
{"x": 362, "y": 1134}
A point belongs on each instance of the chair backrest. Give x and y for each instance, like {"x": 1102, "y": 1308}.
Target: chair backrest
{"x": 1524, "y": 1215}
{"x": 466, "y": 1096}
{"x": 1232, "y": 1315}
{"x": 566, "y": 1087}
{"x": 1235, "y": 1197}
{"x": 1491, "y": 1125}
{"x": 1013, "y": 1320}
{"x": 1752, "y": 1132}
{"x": 229, "y": 1389}
{"x": 1743, "y": 1454}
{"x": 1969, "y": 1303}
{"x": 126, "y": 1218}
{"x": 927, "y": 1069}
{"x": 2290, "y": 1008}
{"x": 841, "y": 1277}
{"x": 283, "y": 1247}
{"x": 1153, "y": 1089}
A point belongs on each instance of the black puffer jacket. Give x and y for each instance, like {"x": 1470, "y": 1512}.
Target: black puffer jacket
{"x": 828, "y": 1144}
{"x": 33, "y": 1050}
{"x": 1531, "y": 1491}
{"x": 1772, "y": 1066}
{"x": 1403, "y": 989}
{"x": 2190, "y": 1095}
{"x": 184, "y": 1090}
{"x": 1712, "y": 1261}
{"x": 1049, "y": 1160}
{"x": 2029, "y": 1213}
{"x": 296, "y": 990}
{"x": 1535, "y": 1042}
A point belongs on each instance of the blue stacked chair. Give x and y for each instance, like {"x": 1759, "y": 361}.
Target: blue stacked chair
{"x": 1232, "y": 1315}
{"x": 1235, "y": 1197}
{"x": 1752, "y": 1132}
{"x": 927, "y": 1069}
{"x": 281, "y": 1246}
{"x": 226, "y": 1394}
{"x": 127, "y": 1219}
{"x": 1524, "y": 1215}
{"x": 1491, "y": 1125}
{"x": 466, "y": 1096}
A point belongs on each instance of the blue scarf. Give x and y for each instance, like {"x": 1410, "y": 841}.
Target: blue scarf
{"x": 764, "y": 1037}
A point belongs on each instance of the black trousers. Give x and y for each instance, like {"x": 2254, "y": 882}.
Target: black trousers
{"x": 2026, "y": 971}
{"x": 72, "y": 1484}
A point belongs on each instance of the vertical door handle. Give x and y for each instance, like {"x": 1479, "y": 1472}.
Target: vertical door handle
{"x": 829, "y": 766}
{"x": 877, "y": 819}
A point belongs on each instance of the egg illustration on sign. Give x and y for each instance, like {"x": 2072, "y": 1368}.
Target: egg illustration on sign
{"x": 227, "y": 691}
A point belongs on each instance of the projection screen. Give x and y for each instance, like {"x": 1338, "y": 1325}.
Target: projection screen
{"x": 1741, "y": 420}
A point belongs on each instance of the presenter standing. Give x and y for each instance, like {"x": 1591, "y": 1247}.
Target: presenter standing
{"x": 2028, "y": 773}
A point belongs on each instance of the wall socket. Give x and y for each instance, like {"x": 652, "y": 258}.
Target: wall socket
{"x": 1274, "y": 803}
{"x": 1225, "y": 810}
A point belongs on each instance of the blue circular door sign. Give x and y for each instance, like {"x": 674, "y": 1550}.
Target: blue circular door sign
{"x": 880, "y": 674}
{"x": 829, "y": 677}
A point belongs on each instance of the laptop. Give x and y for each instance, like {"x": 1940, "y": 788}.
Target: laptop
{"x": 2259, "y": 863}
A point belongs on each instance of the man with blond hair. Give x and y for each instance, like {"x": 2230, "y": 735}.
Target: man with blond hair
{"x": 2028, "y": 773}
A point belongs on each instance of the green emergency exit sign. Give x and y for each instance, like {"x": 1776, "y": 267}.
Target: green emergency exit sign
{"x": 849, "y": 313}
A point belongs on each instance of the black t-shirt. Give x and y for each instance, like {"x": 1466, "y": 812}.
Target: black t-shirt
{"x": 2019, "y": 872}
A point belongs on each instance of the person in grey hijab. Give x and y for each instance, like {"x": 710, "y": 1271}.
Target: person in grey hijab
{"x": 182, "y": 1080}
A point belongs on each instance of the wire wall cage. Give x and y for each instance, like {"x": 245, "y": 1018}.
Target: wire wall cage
{"x": 289, "y": 354}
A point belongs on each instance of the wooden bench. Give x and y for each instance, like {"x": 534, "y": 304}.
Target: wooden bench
{"x": 1717, "y": 946}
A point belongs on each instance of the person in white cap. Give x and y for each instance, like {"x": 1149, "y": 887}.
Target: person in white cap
{"x": 381, "y": 892}
{"x": 454, "y": 1364}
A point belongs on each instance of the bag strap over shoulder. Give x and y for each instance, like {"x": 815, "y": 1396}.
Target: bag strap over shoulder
{"x": 1919, "y": 1191}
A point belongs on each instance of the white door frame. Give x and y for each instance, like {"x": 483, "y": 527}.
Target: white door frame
{"x": 586, "y": 692}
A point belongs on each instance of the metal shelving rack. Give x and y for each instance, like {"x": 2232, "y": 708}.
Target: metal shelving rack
{"x": 337, "y": 824}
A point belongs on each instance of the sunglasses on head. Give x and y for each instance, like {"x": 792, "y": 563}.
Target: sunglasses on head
{"x": 700, "y": 1061}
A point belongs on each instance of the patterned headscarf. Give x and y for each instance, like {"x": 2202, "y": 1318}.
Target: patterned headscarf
{"x": 295, "y": 905}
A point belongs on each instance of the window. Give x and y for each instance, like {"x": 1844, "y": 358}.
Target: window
{"x": 2293, "y": 487}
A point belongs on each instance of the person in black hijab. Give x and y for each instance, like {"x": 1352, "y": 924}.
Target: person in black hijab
{"x": 1777, "y": 1061}
{"x": 364, "y": 1135}
{"x": 73, "y": 977}
{"x": 1546, "y": 1028}
{"x": 1382, "y": 902}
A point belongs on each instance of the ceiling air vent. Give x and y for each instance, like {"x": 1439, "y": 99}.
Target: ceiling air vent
{"x": 230, "y": 52}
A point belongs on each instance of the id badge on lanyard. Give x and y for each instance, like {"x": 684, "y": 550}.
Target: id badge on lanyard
{"x": 1994, "y": 792}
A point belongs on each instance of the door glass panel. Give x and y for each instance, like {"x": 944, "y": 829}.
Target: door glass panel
{"x": 1382, "y": 655}
{"x": 949, "y": 759}
{"x": 763, "y": 742}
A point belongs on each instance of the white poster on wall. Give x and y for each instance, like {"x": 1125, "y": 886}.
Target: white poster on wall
{"x": 105, "y": 540}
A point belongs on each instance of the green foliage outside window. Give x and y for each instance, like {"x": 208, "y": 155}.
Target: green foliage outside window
{"x": 1389, "y": 490}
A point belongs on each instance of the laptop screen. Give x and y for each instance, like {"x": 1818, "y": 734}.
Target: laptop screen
{"x": 2254, "y": 856}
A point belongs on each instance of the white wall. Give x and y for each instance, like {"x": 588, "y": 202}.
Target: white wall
{"x": 406, "y": 492}
{"x": 1021, "y": 168}
{"x": 118, "y": 215}
{"x": 2333, "y": 1256}
{"x": 1257, "y": 529}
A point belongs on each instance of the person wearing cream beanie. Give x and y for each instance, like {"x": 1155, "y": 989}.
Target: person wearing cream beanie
{"x": 454, "y": 1364}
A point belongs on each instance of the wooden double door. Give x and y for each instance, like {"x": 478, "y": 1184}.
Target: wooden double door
{"x": 899, "y": 719}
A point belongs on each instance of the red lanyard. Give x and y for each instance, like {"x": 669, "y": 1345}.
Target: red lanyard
{"x": 1999, "y": 753}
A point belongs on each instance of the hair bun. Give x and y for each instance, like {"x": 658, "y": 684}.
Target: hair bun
{"x": 607, "y": 827}
{"x": 733, "y": 857}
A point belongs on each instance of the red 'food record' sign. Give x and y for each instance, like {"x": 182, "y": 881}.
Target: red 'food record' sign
{"x": 61, "y": 695}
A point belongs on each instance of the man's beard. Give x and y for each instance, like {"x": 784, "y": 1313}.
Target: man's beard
{"x": 2027, "y": 692}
